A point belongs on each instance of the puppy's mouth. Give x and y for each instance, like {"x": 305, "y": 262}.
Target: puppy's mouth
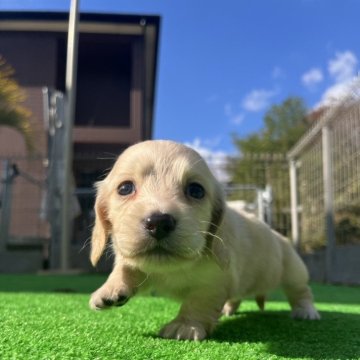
{"x": 160, "y": 253}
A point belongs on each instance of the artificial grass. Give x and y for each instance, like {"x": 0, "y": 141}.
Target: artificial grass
{"x": 47, "y": 317}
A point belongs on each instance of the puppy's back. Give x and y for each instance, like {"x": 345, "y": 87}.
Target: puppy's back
{"x": 262, "y": 257}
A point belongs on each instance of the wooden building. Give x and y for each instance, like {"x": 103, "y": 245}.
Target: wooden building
{"x": 117, "y": 66}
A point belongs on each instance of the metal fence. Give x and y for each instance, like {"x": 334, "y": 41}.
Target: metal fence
{"x": 324, "y": 213}
{"x": 327, "y": 167}
{"x": 265, "y": 189}
{"x": 22, "y": 189}
{"x": 325, "y": 184}
{"x": 29, "y": 217}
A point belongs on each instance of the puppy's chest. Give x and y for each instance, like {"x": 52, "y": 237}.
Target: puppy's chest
{"x": 167, "y": 287}
{"x": 177, "y": 285}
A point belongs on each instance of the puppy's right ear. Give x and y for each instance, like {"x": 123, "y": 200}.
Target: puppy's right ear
{"x": 102, "y": 225}
{"x": 214, "y": 243}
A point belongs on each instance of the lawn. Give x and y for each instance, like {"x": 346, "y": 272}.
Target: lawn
{"x": 47, "y": 317}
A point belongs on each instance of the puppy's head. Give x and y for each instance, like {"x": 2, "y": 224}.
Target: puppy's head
{"x": 161, "y": 206}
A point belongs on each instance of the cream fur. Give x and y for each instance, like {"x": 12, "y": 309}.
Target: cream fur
{"x": 215, "y": 257}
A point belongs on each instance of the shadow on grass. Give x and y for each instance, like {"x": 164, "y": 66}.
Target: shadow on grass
{"x": 335, "y": 336}
{"x": 87, "y": 283}
{"x": 51, "y": 283}
{"x": 327, "y": 294}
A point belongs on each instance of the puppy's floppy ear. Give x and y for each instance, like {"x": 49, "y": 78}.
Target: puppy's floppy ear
{"x": 102, "y": 225}
{"x": 214, "y": 243}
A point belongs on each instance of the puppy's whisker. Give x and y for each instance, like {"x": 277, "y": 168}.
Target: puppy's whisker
{"x": 143, "y": 282}
{"x": 210, "y": 254}
{"x": 211, "y": 234}
{"x": 210, "y": 223}
{"x": 189, "y": 250}
{"x": 109, "y": 252}
{"x": 85, "y": 245}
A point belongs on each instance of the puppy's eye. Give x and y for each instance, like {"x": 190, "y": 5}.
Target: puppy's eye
{"x": 126, "y": 188}
{"x": 195, "y": 191}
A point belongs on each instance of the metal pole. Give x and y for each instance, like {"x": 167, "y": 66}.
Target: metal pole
{"x": 71, "y": 74}
{"x": 6, "y": 193}
{"x": 260, "y": 204}
{"x": 328, "y": 200}
{"x": 268, "y": 208}
{"x": 294, "y": 204}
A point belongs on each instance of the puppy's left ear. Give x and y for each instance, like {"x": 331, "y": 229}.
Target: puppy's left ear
{"x": 213, "y": 240}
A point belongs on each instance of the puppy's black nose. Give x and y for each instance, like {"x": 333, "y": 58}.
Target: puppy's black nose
{"x": 160, "y": 225}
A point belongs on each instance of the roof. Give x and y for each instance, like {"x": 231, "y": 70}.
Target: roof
{"x": 87, "y": 17}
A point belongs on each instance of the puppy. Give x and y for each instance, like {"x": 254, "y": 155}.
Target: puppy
{"x": 172, "y": 233}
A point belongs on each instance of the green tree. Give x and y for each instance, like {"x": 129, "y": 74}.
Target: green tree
{"x": 284, "y": 124}
{"x": 262, "y": 156}
{"x": 12, "y": 111}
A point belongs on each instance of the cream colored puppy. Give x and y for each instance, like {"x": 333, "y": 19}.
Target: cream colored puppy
{"x": 172, "y": 233}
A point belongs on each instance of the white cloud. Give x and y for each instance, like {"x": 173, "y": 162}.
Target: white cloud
{"x": 338, "y": 92}
{"x": 258, "y": 100}
{"x": 312, "y": 77}
{"x": 343, "y": 67}
{"x": 216, "y": 160}
{"x": 235, "y": 118}
{"x": 333, "y": 94}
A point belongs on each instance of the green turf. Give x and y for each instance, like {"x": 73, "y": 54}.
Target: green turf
{"x": 47, "y": 317}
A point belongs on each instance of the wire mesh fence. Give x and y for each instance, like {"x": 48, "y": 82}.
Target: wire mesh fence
{"x": 267, "y": 176}
{"x": 22, "y": 190}
{"x": 311, "y": 198}
{"x": 327, "y": 164}
{"x": 327, "y": 189}
{"x": 346, "y": 172}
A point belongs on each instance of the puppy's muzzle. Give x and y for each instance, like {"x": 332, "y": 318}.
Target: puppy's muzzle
{"x": 160, "y": 225}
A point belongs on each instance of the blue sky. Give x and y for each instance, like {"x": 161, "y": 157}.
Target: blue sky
{"x": 223, "y": 63}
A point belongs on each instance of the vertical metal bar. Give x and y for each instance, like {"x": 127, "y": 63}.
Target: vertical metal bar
{"x": 260, "y": 204}
{"x": 71, "y": 74}
{"x": 328, "y": 200}
{"x": 56, "y": 174}
{"x": 268, "y": 208}
{"x": 5, "y": 204}
{"x": 294, "y": 204}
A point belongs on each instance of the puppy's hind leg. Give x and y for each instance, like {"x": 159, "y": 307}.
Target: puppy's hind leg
{"x": 230, "y": 307}
{"x": 295, "y": 285}
{"x": 301, "y": 302}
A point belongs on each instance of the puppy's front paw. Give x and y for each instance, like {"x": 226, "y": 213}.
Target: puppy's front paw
{"x": 105, "y": 297}
{"x": 183, "y": 330}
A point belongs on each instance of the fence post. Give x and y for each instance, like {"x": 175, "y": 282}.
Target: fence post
{"x": 328, "y": 200}
{"x": 71, "y": 71}
{"x": 7, "y": 179}
{"x": 260, "y": 204}
{"x": 268, "y": 194}
{"x": 54, "y": 111}
{"x": 295, "y": 233}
